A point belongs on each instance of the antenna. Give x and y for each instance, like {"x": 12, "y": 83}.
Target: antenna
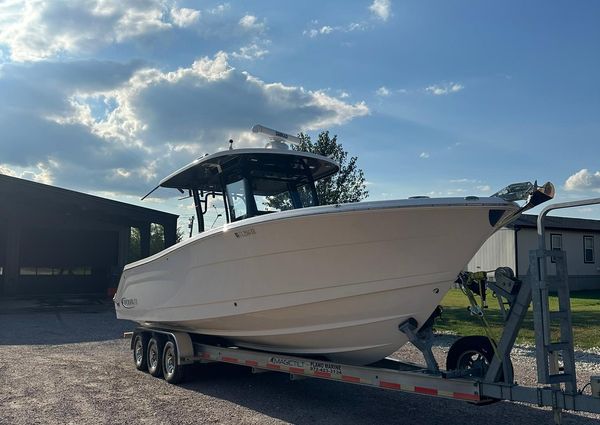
{"x": 217, "y": 217}
{"x": 278, "y": 139}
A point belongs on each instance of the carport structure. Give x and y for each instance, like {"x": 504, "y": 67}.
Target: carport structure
{"x": 55, "y": 241}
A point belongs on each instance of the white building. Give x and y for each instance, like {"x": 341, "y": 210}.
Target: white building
{"x": 510, "y": 246}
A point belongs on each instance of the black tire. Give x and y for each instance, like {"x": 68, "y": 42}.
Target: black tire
{"x": 173, "y": 372}
{"x": 154, "y": 356}
{"x": 473, "y": 354}
{"x": 140, "y": 351}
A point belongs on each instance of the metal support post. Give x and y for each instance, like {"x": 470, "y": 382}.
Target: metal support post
{"x": 423, "y": 340}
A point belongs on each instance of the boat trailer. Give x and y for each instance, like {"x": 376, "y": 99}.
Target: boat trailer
{"x": 166, "y": 353}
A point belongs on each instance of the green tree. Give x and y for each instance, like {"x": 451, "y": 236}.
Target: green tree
{"x": 157, "y": 241}
{"x": 348, "y": 185}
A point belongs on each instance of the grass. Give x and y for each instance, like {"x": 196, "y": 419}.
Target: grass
{"x": 585, "y": 307}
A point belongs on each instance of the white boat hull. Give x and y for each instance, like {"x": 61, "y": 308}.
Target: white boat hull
{"x": 333, "y": 281}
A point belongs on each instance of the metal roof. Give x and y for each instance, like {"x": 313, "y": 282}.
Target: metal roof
{"x": 14, "y": 190}
{"x": 566, "y": 223}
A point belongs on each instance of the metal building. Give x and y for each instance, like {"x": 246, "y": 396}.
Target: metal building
{"x": 510, "y": 246}
{"x": 58, "y": 241}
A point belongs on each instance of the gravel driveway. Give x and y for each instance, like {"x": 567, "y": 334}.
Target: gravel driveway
{"x": 68, "y": 365}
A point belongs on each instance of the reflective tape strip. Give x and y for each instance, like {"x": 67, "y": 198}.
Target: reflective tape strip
{"x": 428, "y": 391}
{"x": 206, "y": 355}
{"x": 466, "y": 396}
{"x": 348, "y": 378}
{"x": 229, "y": 359}
{"x": 251, "y": 363}
{"x": 390, "y": 385}
{"x": 273, "y": 366}
{"x": 322, "y": 374}
{"x": 448, "y": 394}
{"x": 296, "y": 370}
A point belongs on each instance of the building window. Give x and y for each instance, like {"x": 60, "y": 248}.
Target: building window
{"x": 49, "y": 271}
{"x": 588, "y": 249}
{"x": 555, "y": 243}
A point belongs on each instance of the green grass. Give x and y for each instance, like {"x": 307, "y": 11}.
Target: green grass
{"x": 585, "y": 308}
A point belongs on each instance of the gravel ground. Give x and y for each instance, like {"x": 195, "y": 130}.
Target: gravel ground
{"x": 68, "y": 365}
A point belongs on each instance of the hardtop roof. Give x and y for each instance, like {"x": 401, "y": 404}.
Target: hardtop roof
{"x": 203, "y": 173}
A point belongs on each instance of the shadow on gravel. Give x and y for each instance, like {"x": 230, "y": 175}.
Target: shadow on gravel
{"x": 310, "y": 401}
{"x": 48, "y": 321}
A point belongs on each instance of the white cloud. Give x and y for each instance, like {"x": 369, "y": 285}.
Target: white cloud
{"x": 444, "y": 89}
{"x": 463, "y": 180}
{"x": 382, "y": 91}
{"x": 382, "y": 9}
{"x": 251, "y": 22}
{"x": 185, "y": 17}
{"x": 484, "y": 188}
{"x": 121, "y": 127}
{"x": 584, "y": 180}
{"x": 36, "y": 29}
{"x": 249, "y": 52}
{"x": 42, "y": 172}
{"x": 424, "y": 155}
{"x": 327, "y": 29}
{"x": 219, "y": 9}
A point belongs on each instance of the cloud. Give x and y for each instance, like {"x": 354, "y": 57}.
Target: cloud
{"x": 121, "y": 127}
{"x": 185, "y": 17}
{"x": 444, "y": 89}
{"x": 327, "y": 29}
{"x": 250, "y": 52}
{"x": 584, "y": 180}
{"x": 484, "y": 188}
{"x": 424, "y": 155}
{"x": 251, "y": 22}
{"x": 38, "y": 30}
{"x": 381, "y": 9}
{"x": 219, "y": 9}
{"x": 382, "y": 91}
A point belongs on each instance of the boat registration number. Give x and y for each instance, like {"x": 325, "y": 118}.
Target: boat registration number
{"x": 244, "y": 233}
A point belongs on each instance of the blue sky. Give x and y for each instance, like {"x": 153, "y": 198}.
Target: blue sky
{"x": 446, "y": 98}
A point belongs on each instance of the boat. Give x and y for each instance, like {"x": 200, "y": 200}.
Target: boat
{"x": 329, "y": 281}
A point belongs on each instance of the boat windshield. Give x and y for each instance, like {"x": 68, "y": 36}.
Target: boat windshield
{"x": 251, "y": 182}
{"x": 247, "y": 197}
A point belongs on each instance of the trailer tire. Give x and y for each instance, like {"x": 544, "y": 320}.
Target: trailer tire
{"x": 154, "y": 356}
{"x": 173, "y": 372}
{"x": 140, "y": 351}
{"x": 474, "y": 352}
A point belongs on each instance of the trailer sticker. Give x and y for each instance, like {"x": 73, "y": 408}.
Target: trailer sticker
{"x": 287, "y": 362}
{"x": 325, "y": 368}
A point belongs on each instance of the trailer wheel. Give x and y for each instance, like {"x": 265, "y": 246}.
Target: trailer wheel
{"x": 473, "y": 354}
{"x": 154, "y": 356}
{"x": 140, "y": 347}
{"x": 173, "y": 372}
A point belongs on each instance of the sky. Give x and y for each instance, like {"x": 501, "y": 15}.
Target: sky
{"x": 445, "y": 98}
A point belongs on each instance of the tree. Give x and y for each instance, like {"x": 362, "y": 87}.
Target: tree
{"x": 157, "y": 241}
{"x": 348, "y": 185}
